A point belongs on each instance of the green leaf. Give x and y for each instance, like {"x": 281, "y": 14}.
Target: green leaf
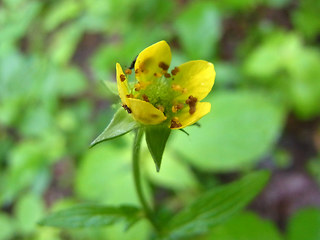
{"x": 112, "y": 163}
{"x": 156, "y": 138}
{"x": 235, "y": 5}
{"x": 199, "y": 19}
{"x": 14, "y": 26}
{"x": 306, "y": 18}
{"x": 240, "y": 129}
{"x": 92, "y": 216}
{"x": 262, "y": 63}
{"x": 28, "y": 211}
{"x": 121, "y": 124}
{"x": 305, "y": 225}
{"x": 293, "y": 73}
{"x": 8, "y": 227}
{"x": 71, "y": 81}
{"x": 215, "y": 206}
{"x": 64, "y": 43}
{"x": 237, "y": 228}
{"x": 60, "y": 13}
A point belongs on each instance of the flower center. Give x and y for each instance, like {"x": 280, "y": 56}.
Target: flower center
{"x": 160, "y": 90}
{"x": 159, "y": 93}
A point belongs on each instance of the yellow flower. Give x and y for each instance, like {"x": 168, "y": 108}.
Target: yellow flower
{"x": 159, "y": 96}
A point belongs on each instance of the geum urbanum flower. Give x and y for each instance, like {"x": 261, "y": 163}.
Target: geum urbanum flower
{"x": 159, "y": 100}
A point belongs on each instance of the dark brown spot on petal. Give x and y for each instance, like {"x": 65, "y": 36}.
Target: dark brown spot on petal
{"x": 130, "y": 95}
{"x": 122, "y": 77}
{"x": 137, "y": 86}
{"x": 164, "y": 66}
{"x": 128, "y": 71}
{"x": 145, "y": 98}
{"x": 177, "y": 107}
{"x": 161, "y": 108}
{"x": 157, "y": 75}
{"x": 192, "y": 101}
{"x": 175, "y": 123}
{"x": 175, "y": 71}
{"x": 192, "y": 110}
{"x": 154, "y": 115}
{"x": 167, "y": 75}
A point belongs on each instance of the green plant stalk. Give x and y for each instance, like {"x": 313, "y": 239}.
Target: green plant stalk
{"x": 137, "y": 179}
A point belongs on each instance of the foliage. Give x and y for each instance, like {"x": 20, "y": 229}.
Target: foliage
{"x": 55, "y": 57}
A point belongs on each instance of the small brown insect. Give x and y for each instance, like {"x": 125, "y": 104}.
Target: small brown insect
{"x": 122, "y": 77}
{"x": 126, "y": 108}
{"x": 133, "y": 62}
{"x": 164, "y": 66}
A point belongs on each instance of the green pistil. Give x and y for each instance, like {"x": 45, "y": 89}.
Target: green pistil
{"x": 160, "y": 93}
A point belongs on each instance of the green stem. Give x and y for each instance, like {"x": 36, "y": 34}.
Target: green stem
{"x": 137, "y": 179}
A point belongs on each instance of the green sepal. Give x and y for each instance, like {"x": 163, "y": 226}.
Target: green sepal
{"x": 86, "y": 216}
{"x": 216, "y": 206}
{"x": 120, "y": 124}
{"x": 156, "y": 137}
{"x": 111, "y": 86}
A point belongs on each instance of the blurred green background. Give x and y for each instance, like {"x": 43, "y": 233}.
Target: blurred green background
{"x": 54, "y": 57}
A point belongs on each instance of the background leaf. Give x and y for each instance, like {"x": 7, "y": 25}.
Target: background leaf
{"x": 92, "y": 216}
{"x": 239, "y": 130}
{"x": 293, "y": 73}
{"x": 104, "y": 170}
{"x": 8, "y": 227}
{"x": 53, "y": 57}
{"x": 199, "y": 25}
{"x": 305, "y": 225}
{"x": 245, "y": 226}
{"x": 29, "y": 210}
{"x": 215, "y": 206}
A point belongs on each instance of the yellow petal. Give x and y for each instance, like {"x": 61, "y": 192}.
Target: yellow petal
{"x": 194, "y": 78}
{"x": 186, "y": 119}
{"x": 151, "y": 61}
{"x": 122, "y": 85}
{"x": 145, "y": 112}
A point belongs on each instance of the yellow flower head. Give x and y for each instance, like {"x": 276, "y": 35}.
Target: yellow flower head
{"x": 160, "y": 96}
